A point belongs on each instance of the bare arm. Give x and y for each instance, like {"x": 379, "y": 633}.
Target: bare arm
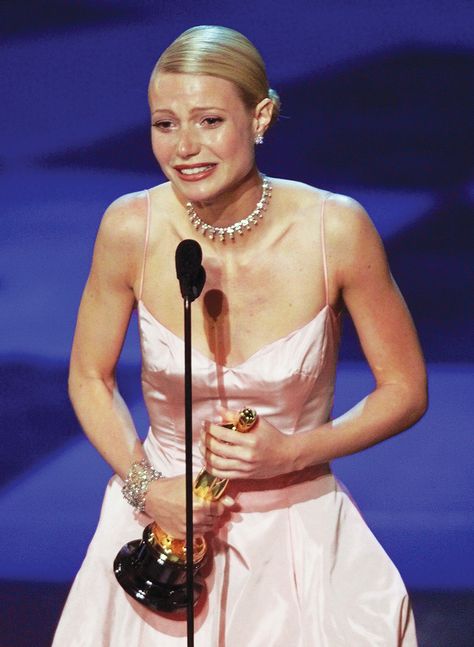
{"x": 102, "y": 322}
{"x": 360, "y": 275}
{"x": 387, "y": 337}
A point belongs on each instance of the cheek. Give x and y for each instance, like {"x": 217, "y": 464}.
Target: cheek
{"x": 235, "y": 145}
{"x": 162, "y": 149}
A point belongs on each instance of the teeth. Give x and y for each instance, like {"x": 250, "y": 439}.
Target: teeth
{"x": 194, "y": 171}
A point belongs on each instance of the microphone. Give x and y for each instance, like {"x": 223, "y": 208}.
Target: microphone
{"x": 189, "y": 271}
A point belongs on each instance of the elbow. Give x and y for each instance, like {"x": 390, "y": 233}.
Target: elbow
{"x": 419, "y": 409}
{"x": 84, "y": 384}
{"x": 72, "y": 384}
{"x": 417, "y": 401}
{"x": 77, "y": 387}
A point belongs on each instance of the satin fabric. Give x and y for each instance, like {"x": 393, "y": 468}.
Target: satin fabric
{"x": 295, "y": 565}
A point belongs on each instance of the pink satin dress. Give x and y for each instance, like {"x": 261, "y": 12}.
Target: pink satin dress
{"x": 296, "y": 565}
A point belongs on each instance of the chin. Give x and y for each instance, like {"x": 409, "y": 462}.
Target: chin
{"x": 202, "y": 191}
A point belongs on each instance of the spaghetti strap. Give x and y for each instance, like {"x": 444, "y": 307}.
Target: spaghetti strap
{"x": 145, "y": 245}
{"x": 323, "y": 249}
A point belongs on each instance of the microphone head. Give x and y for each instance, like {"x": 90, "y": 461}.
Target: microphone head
{"x": 189, "y": 271}
{"x": 188, "y": 257}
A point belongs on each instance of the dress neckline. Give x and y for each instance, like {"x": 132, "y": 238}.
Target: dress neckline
{"x": 327, "y": 308}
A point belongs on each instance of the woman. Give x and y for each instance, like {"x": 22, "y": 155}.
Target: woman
{"x": 293, "y": 562}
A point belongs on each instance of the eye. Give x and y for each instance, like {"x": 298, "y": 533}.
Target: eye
{"x": 212, "y": 122}
{"x": 163, "y": 124}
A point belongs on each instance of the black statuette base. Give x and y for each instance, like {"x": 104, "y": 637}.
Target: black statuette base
{"x": 153, "y": 581}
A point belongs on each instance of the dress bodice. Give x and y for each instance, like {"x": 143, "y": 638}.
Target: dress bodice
{"x": 289, "y": 381}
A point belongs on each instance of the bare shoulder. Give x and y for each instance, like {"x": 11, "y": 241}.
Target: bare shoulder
{"x": 298, "y": 198}
{"x": 344, "y": 217}
{"x": 349, "y": 232}
{"x": 124, "y": 221}
{"x": 118, "y": 248}
{"x": 353, "y": 241}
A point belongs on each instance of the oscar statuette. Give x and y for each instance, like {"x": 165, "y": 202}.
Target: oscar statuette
{"x": 153, "y": 570}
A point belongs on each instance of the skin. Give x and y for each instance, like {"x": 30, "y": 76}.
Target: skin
{"x": 201, "y": 122}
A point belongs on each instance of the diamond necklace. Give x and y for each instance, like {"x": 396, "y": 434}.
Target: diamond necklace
{"x": 238, "y": 227}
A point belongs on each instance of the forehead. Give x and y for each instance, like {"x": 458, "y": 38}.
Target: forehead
{"x": 169, "y": 91}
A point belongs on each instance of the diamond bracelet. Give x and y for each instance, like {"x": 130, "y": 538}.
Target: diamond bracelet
{"x": 137, "y": 482}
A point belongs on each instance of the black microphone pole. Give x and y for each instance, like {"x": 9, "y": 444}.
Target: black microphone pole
{"x": 188, "y": 426}
{"x": 191, "y": 276}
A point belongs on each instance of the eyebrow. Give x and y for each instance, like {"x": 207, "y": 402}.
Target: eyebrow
{"x": 197, "y": 109}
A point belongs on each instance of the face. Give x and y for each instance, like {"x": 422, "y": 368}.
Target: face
{"x": 202, "y": 134}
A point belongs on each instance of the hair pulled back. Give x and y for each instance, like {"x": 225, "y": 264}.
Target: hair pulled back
{"x": 224, "y": 53}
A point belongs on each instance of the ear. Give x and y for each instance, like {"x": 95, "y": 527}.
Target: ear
{"x": 262, "y": 116}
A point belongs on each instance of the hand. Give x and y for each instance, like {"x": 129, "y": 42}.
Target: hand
{"x": 262, "y": 452}
{"x": 166, "y": 504}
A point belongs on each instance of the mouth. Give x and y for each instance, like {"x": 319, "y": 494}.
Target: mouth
{"x": 195, "y": 171}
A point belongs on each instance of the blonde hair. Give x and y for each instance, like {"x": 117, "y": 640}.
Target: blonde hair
{"x": 224, "y": 53}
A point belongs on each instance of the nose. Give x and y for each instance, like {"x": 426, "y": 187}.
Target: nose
{"x": 188, "y": 143}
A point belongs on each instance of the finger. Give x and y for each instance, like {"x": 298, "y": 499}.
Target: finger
{"x": 210, "y": 431}
{"x": 216, "y": 461}
{"x": 204, "y": 520}
{"x": 215, "y": 509}
{"x": 230, "y": 474}
{"x": 204, "y": 508}
{"x": 228, "y": 415}
{"x": 227, "y": 501}
{"x": 224, "y": 504}
{"x": 224, "y": 435}
{"x": 227, "y": 451}
{"x": 202, "y": 528}
{"x": 202, "y": 446}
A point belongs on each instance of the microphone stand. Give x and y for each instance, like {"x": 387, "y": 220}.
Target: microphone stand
{"x": 188, "y": 429}
{"x": 192, "y": 277}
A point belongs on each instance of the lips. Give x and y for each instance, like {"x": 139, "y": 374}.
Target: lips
{"x": 196, "y": 169}
{"x": 194, "y": 172}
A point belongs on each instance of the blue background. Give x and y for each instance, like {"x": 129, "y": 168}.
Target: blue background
{"x": 378, "y": 103}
